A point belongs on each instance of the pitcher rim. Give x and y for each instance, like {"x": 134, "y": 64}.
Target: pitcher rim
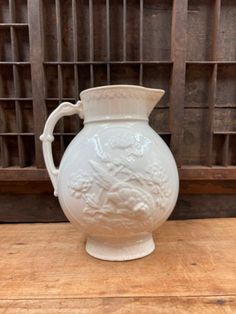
{"x": 148, "y": 89}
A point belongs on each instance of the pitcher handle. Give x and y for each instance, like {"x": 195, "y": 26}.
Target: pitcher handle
{"x": 65, "y": 109}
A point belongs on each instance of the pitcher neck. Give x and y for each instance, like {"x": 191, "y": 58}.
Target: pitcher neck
{"x": 107, "y": 119}
{"x": 119, "y": 102}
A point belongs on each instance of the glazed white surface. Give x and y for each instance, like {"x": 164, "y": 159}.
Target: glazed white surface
{"x": 117, "y": 180}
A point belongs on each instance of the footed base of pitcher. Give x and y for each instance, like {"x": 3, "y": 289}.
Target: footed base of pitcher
{"x": 122, "y": 249}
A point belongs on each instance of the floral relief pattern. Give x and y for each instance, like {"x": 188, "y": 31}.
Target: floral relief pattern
{"x": 122, "y": 194}
{"x": 117, "y": 93}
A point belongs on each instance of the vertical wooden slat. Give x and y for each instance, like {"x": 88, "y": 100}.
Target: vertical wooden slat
{"x": 59, "y": 35}
{"x": 4, "y": 150}
{"x": 225, "y": 159}
{"x": 1, "y": 150}
{"x": 75, "y": 47}
{"x": 75, "y": 50}
{"x": 12, "y": 11}
{"x": 75, "y": 29}
{"x": 37, "y": 74}
{"x": 60, "y": 83}
{"x": 21, "y": 151}
{"x": 3, "y": 124}
{"x": 16, "y": 80}
{"x": 76, "y": 78}
{"x": 108, "y": 40}
{"x": 91, "y": 42}
{"x": 124, "y": 29}
{"x": 20, "y": 141}
{"x": 213, "y": 82}
{"x": 60, "y": 96}
{"x": 59, "y": 51}
{"x": 59, "y": 70}
{"x": 211, "y": 104}
{"x": 141, "y": 43}
{"x": 19, "y": 120}
{"x": 215, "y": 33}
{"x": 177, "y": 90}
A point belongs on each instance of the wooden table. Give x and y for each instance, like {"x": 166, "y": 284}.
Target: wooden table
{"x": 44, "y": 269}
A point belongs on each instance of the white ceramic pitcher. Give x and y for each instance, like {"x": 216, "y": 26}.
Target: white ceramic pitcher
{"x": 117, "y": 180}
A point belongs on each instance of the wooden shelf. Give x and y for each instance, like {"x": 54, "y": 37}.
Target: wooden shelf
{"x": 105, "y": 62}
{"x": 185, "y": 172}
{"x": 44, "y": 268}
{"x": 15, "y": 99}
{"x": 207, "y": 173}
{"x": 16, "y": 134}
{"x": 211, "y": 62}
{"x": 62, "y": 99}
{"x": 224, "y": 132}
{"x": 22, "y": 63}
{"x": 20, "y": 25}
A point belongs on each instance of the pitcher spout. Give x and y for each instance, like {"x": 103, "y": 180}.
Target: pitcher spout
{"x": 153, "y": 96}
{"x": 119, "y": 102}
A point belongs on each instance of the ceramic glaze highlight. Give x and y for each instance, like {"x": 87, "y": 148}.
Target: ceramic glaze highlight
{"x": 117, "y": 180}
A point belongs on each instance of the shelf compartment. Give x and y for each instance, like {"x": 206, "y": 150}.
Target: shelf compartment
{"x": 23, "y": 81}
{"x": 98, "y": 31}
{"x": 4, "y": 12}
{"x": 6, "y": 81}
{"x": 21, "y": 14}
{"x": 195, "y": 141}
{"x": 51, "y": 84}
{"x": 65, "y": 29}
{"x": 49, "y": 30}
{"x": 227, "y": 31}
{"x": 22, "y": 45}
{"x": 159, "y": 120}
{"x": 218, "y": 144}
{"x": 124, "y": 74}
{"x": 68, "y": 81}
{"x": 157, "y": 39}
{"x": 9, "y": 151}
{"x": 224, "y": 149}
{"x": 200, "y": 30}
{"x": 26, "y": 116}
{"x": 7, "y": 117}
{"x": 159, "y": 76}
{"x": 226, "y": 85}
{"x": 232, "y": 149}
{"x": 101, "y": 74}
{"x": 5, "y": 45}
{"x": 28, "y": 142}
{"x": 198, "y": 78}
{"x": 224, "y": 120}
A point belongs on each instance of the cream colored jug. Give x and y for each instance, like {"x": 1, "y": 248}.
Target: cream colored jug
{"x": 117, "y": 181}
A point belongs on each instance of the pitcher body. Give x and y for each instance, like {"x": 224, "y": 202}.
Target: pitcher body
{"x": 117, "y": 180}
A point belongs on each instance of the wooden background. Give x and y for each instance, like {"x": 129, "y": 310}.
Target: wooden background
{"x": 50, "y": 50}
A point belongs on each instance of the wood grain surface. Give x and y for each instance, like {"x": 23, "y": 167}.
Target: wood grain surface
{"x": 44, "y": 269}
{"x": 143, "y": 305}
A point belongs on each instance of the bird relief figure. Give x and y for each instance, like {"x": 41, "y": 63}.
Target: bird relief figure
{"x": 133, "y": 196}
{"x": 125, "y": 198}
